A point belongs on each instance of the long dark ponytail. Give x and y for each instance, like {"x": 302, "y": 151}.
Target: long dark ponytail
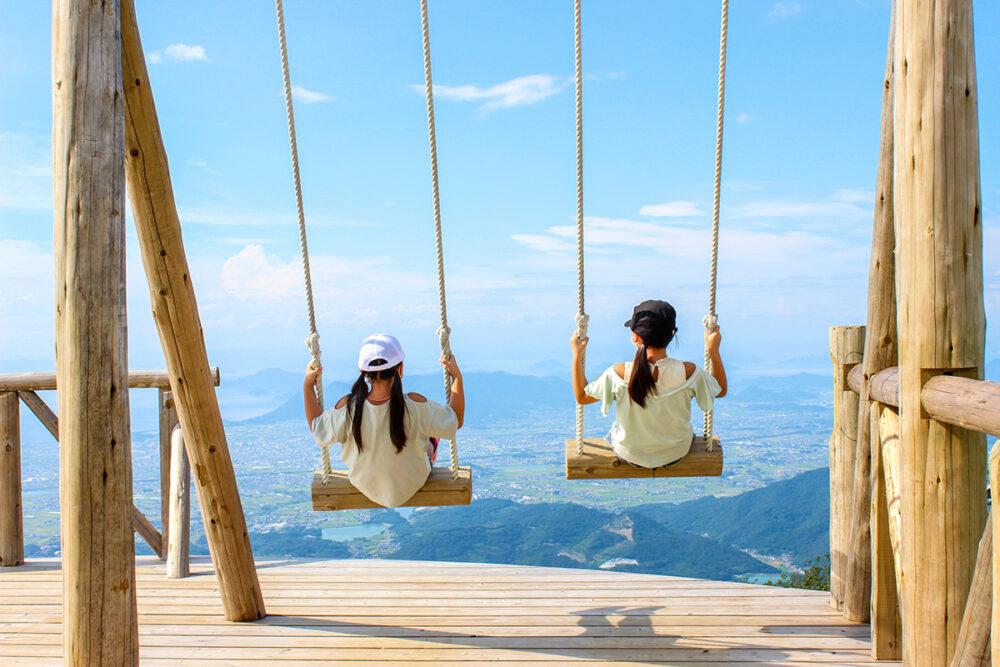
{"x": 397, "y": 405}
{"x": 642, "y": 382}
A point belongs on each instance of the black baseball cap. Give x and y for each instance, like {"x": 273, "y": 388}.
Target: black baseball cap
{"x": 654, "y": 321}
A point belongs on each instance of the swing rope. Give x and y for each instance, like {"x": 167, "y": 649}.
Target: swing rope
{"x": 444, "y": 331}
{"x": 582, "y": 319}
{"x": 312, "y": 342}
{"x": 711, "y": 320}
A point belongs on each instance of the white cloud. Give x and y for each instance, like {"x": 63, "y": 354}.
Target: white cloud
{"x": 252, "y": 272}
{"x": 307, "y": 96}
{"x": 842, "y": 206}
{"x": 542, "y": 242}
{"x": 25, "y": 173}
{"x": 854, "y": 196}
{"x": 177, "y": 53}
{"x": 744, "y": 118}
{"x": 673, "y": 209}
{"x": 521, "y": 91}
{"x": 783, "y": 10}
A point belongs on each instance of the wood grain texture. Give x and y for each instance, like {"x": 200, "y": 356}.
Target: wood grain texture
{"x": 879, "y": 352}
{"x": 11, "y": 515}
{"x": 179, "y": 535}
{"x": 941, "y": 322}
{"x": 961, "y": 401}
{"x": 439, "y": 489}
{"x": 891, "y": 465}
{"x": 973, "y": 645}
{"x": 168, "y": 422}
{"x": 846, "y": 349}
{"x": 88, "y": 145}
{"x": 175, "y": 311}
{"x": 365, "y": 612}
{"x": 147, "y": 531}
{"x": 995, "y": 615}
{"x": 886, "y": 624}
{"x": 599, "y": 461}
{"x": 47, "y": 381}
{"x": 42, "y": 411}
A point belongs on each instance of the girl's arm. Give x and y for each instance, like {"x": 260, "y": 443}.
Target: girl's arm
{"x": 579, "y": 347}
{"x": 456, "y": 398}
{"x": 309, "y": 394}
{"x": 713, "y": 339}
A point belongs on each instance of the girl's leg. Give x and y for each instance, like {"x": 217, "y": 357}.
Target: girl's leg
{"x": 432, "y": 449}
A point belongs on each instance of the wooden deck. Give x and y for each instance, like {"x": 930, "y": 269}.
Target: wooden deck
{"x": 401, "y": 613}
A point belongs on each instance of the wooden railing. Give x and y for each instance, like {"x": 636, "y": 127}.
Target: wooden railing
{"x": 171, "y": 542}
{"x": 952, "y": 397}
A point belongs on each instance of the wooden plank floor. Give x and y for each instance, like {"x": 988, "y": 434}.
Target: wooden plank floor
{"x": 405, "y": 613}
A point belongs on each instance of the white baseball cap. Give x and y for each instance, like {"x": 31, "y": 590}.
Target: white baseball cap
{"x": 380, "y": 347}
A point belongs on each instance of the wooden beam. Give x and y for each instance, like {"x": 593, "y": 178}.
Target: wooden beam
{"x": 879, "y": 353}
{"x": 941, "y": 317}
{"x": 168, "y": 422}
{"x": 961, "y": 401}
{"x": 439, "y": 489}
{"x": 98, "y": 550}
{"x": 147, "y": 531}
{"x": 599, "y": 461}
{"x": 42, "y": 411}
{"x": 886, "y": 625}
{"x": 11, "y": 515}
{"x": 891, "y": 464}
{"x": 973, "y": 645}
{"x": 846, "y": 348}
{"x": 179, "y": 543}
{"x": 47, "y": 381}
{"x": 175, "y": 310}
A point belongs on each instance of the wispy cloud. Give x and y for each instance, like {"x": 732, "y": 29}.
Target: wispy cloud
{"x": 522, "y": 91}
{"x": 673, "y": 209}
{"x": 307, "y": 96}
{"x": 542, "y": 243}
{"x": 177, "y": 53}
{"x": 25, "y": 173}
{"x": 843, "y": 205}
{"x": 783, "y": 10}
{"x": 744, "y": 118}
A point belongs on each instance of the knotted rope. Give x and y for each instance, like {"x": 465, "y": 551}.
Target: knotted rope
{"x": 582, "y": 319}
{"x": 312, "y": 342}
{"x": 444, "y": 331}
{"x": 711, "y": 320}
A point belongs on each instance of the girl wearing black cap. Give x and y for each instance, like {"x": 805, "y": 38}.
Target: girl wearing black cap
{"x": 653, "y": 392}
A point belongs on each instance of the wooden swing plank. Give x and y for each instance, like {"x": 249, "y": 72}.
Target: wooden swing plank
{"x": 439, "y": 490}
{"x": 599, "y": 461}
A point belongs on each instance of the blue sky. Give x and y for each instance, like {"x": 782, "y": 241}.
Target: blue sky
{"x": 801, "y": 148}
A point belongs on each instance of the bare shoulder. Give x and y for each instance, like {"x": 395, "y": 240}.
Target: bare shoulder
{"x": 620, "y": 370}
{"x": 417, "y": 397}
{"x": 342, "y": 402}
{"x": 689, "y": 369}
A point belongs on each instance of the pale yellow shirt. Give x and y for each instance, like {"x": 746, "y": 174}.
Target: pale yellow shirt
{"x": 661, "y": 432}
{"x": 386, "y": 476}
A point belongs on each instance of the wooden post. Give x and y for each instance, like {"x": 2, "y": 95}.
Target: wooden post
{"x": 995, "y": 612}
{"x": 11, "y": 516}
{"x": 887, "y": 631}
{"x": 939, "y": 285}
{"x": 846, "y": 349}
{"x": 95, "y": 487}
{"x": 168, "y": 421}
{"x": 973, "y": 646}
{"x": 175, "y": 311}
{"x": 179, "y": 546}
{"x": 880, "y": 352}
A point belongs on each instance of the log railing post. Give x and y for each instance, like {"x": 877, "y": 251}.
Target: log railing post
{"x": 168, "y": 421}
{"x": 175, "y": 310}
{"x": 973, "y": 646}
{"x": 939, "y": 287}
{"x": 179, "y": 546}
{"x": 95, "y": 485}
{"x": 11, "y": 515}
{"x": 880, "y": 352}
{"x": 846, "y": 348}
{"x": 886, "y": 626}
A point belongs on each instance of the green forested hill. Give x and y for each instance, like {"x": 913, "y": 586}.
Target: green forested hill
{"x": 566, "y": 535}
{"x": 787, "y": 517}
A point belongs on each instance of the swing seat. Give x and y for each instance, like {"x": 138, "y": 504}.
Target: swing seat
{"x": 439, "y": 490}
{"x": 599, "y": 461}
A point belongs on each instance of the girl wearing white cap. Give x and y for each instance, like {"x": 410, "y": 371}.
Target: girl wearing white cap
{"x": 388, "y": 438}
{"x": 653, "y": 392}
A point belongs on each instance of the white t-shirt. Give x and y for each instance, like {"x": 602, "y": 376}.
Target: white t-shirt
{"x": 386, "y": 476}
{"x": 661, "y": 432}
